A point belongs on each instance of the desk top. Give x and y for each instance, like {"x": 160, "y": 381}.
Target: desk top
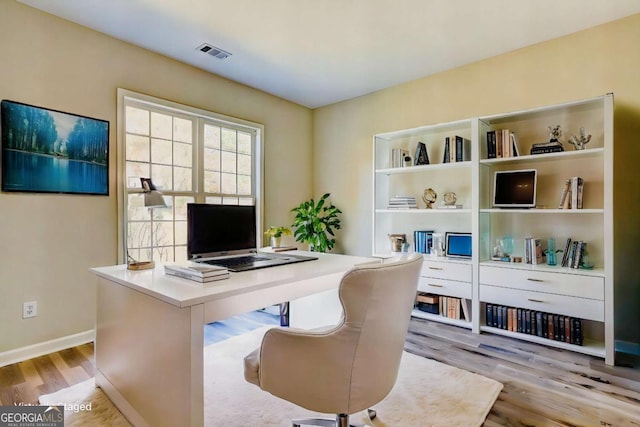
{"x": 183, "y": 292}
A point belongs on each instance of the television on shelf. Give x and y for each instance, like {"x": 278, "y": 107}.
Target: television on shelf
{"x": 458, "y": 245}
{"x": 515, "y": 189}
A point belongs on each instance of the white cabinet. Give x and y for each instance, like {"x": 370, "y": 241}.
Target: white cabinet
{"x": 576, "y": 293}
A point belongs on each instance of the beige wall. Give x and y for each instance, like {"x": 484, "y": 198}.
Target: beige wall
{"x": 48, "y": 242}
{"x": 583, "y": 65}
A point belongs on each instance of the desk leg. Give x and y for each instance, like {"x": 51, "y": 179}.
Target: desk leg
{"x": 149, "y": 357}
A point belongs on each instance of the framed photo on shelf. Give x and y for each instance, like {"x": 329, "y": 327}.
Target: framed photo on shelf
{"x": 49, "y": 151}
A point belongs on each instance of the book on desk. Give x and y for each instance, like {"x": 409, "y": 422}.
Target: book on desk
{"x": 197, "y": 272}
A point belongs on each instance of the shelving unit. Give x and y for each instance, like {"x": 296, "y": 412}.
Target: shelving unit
{"x": 510, "y": 284}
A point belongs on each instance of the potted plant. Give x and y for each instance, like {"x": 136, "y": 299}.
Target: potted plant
{"x": 276, "y": 233}
{"x": 315, "y": 223}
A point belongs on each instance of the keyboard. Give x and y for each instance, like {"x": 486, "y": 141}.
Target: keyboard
{"x": 235, "y": 261}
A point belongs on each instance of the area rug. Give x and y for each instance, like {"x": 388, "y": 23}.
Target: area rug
{"x": 427, "y": 393}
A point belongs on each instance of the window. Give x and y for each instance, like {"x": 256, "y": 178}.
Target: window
{"x": 191, "y": 156}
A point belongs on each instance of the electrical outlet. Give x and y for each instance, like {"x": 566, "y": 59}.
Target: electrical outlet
{"x": 29, "y": 309}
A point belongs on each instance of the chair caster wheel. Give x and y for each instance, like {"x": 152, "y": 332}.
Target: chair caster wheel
{"x": 372, "y": 414}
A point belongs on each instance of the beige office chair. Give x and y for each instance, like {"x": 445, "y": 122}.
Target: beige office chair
{"x": 349, "y": 367}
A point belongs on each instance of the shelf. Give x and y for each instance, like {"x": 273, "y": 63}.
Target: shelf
{"x": 442, "y": 319}
{"x": 590, "y": 347}
{"x": 564, "y": 155}
{"x": 597, "y": 272}
{"x": 424, "y": 211}
{"x": 423, "y": 168}
{"x": 543, "y": 211}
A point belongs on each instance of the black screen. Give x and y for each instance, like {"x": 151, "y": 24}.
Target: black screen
{"x": 216, "y": 229}
{"x": 515, "y": 189}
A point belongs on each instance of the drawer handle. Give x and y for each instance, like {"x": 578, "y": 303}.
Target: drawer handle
{"x": 535, "y": 300}
{"x": 534, "y": 280}
{"x": 436, "y": 268}
{"x": 434, "y": 285}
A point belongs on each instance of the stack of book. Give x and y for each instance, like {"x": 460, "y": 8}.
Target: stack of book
{"x": 423, "y": 240}
{"x": 197, "y": 272}
{"x": 574, "y": 254}
{"x": 533, "y": 253}
{"x": 555, "y": 327}
{"x": 547, "y": 147}
{"x": 402, "y": 202}
{"x": 456, "y": 149}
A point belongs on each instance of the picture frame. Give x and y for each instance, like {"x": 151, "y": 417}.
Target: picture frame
{"x": 50, "y": 151}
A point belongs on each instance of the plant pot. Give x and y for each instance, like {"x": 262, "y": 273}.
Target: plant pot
{"x": 275, "y": 242}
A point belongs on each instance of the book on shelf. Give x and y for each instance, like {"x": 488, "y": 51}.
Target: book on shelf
{"x": 566, "y": 189}
{"x": 565, "y": 253}
{"x": 491, "y": 144}
{"x": 551, "y": 147}
{"x": 463, "y": 149}
{"x": 398, "y": 156}
{"x": 443, "y": 206}
{"x": 533, "y": 253}
{"x": 422, "y": 241}
{"x": 446, "y": 158}
{"x": 402, "y": 202}
{"x": 502, "y": 143}
{"x": 422, "y": 156}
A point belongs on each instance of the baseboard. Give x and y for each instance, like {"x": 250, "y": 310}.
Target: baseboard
{"x": 40, "y": 349}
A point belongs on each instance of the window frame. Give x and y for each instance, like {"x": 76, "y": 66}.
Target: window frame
{"x": 126, "y": 97}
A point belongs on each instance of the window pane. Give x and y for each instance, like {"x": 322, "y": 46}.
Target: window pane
{"x": 137, "y": 121}
{"x": 230, "y": 201}
{"x": 211, "y": 182}
{"x": 212, "y": 136}
{"x": 163, "y": 235}
{"x": 180, "y": 207}
{"x": 228, "y": 183}
{"x": 135, "y": 208}
{"x": 182, "y": 154}
{"x": 246, "y": 201}
{"x": 161, "y": 125}
{"x": 139, "y": 235}
{"x": 244, "y": 143}
{"x": 180, "y": 253}
{"x": 214, "y": 200}
{"x": 161, "y": 151}
{"x": 228, "y": 162}
{"x": 137, "y": 148}
{"x": 182, "y": 180}
{"x": 164, "y": 214}
{"x": 244, "y": 164}
{"x": 244, "y": 184}
{"x": 181, "y": 232}
{"x": 135, "y": 171}
{"x": 162, "y": 177}
{"x": 228, "y": 139}
{"x": 212, "y": 159}
{"x": 182, "y": 130}
{"x": 164, "y": 254}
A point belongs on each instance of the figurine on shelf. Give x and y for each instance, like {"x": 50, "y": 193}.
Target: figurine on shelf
{"x": 555, "y": 132}
{"x": 579, "y": 143}
{"x": 429, "y": 197}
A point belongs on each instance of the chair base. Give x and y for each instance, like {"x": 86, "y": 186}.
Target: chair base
{"x": 341, "y": 420}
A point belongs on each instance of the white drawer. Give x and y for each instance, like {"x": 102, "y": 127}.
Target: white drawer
{"x": 446, "y": 270}
{"x": 445, "y": 287}
{"x": 570, "y": 284}
{"x": 550, "y": 303}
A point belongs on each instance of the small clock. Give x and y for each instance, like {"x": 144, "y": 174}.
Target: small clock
{"x": 450, "y": 198}
{"x": 429, "y": 197}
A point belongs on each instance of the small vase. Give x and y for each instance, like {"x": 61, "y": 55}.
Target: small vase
{"x": 275, "y": 242}
{"x": 551, "y": 252}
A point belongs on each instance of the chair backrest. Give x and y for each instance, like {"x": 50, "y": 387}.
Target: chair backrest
{"x": 377, "y": 300}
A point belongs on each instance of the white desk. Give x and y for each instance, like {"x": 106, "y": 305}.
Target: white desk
{"x": 149, "y": 332}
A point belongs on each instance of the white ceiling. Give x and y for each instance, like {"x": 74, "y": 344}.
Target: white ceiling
{"x": 319, "y": 52}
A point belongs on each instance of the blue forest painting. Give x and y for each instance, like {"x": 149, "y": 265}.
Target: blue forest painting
{"x": 49, "y": 151}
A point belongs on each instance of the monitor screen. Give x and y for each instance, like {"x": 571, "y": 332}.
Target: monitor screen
{"x": 515, "y": 189}
{"x": 458, "y": 245}
{"x": 214, "y": 230}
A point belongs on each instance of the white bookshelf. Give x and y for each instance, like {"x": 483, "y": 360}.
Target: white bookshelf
{"x": 472, "y": 181}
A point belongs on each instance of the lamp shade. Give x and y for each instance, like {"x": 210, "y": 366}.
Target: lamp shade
{"x": 152, "y": 197}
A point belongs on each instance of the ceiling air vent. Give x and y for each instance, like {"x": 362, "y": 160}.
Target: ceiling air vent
{"x": 216, "y": 52}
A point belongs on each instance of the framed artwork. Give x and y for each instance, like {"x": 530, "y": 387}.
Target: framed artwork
{"x": 48, "y": 151}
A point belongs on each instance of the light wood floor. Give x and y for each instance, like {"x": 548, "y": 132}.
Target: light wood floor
{"x": 542, "y": 386}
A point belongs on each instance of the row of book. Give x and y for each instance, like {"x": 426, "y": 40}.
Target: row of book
{"x": 422, "y": 241}
{"x": 451, "y": 307}
{"x": 574, "y": 254}
{"x": 196, "y": 272}
{"x": 456, "y": 149}
{"x": 555, "y": 327}
{"x": 502, "y": 143}
{"x": 571, "y": 197}
{"x": 402, "y": 202}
